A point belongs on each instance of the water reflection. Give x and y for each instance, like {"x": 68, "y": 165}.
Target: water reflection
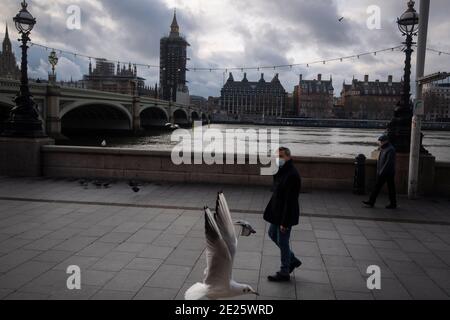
{"x": 321, "y": 142}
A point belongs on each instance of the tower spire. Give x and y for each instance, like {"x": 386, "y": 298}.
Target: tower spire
{"x": 6, "y": 42}
{"x": 6, "y": 32}
{"x": 174, "y": 28}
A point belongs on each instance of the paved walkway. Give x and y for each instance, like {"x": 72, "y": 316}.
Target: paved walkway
{"x": 150, "y": 244}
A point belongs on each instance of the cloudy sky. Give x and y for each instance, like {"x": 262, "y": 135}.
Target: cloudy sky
{"x": 231, "y": 33}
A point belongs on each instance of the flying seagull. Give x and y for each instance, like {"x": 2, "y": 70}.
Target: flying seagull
{"x": 221, "y": 245}
{"x": 341, "y": 18}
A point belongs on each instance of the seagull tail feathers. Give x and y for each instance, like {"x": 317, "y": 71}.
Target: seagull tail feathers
{"x": 196, "y": 292}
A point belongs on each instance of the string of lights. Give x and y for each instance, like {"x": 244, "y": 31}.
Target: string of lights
{"x": 243, "y": 68}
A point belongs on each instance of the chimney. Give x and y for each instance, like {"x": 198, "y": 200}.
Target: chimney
{"x": 319, "y": 77}
{"x": 366, "y": 78}
{"x": 301, "y": 78}
{"x": 390, "y": 79}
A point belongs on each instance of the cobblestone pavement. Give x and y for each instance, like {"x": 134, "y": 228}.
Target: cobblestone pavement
{"x": 150, "y": 244}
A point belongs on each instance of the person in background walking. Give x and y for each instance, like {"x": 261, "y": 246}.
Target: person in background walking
{"x": 385, "y": 173}
{"x": 283, "y": 213}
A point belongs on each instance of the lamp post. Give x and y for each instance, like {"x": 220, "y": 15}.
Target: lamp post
{"x": 399, "y": 129}
{"x": 24, "y": 118}
{"x": 53, "y": 60}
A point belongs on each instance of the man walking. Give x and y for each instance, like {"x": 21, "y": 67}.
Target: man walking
{"x": 385, "y": 173}
{"x": 283, "y": 213}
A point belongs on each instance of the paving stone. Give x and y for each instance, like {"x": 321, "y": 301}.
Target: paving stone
{"x": 353, "y": 239}
{"x": 115, "y": 237}
{"x": 128, "y": 252}
{"x": 75, "y": 244}
{"x": 279, "y": 290}
{"x": 53, "y": 256}
{"x": 182, "y": 257}
{"x": 312, "y": 276}
{"x": 113, "y": 295}
{"x": 95, "y": 277}
{"x": 311, "y": 263}
{"x": 362, "y": 252}
{"x": 113, "y": 261}
{"x": 144, "y": 264}
{"x": 18, "y": 295}
{"x": 348, "y": 295}
{"x": 304, "y": 248}
{"x": 393, "y": 254}
{"x": 150, "y": 293}
{"x": 128, "y": 280}
{"x": 422, "y": 287}
{"x": 332, "y": 247}
{"x": 347, "y": 279}
{"x": 338, "y": 261}
{"x": 326, "y": 234}
{"x": 144, "y": 236}
{"x": 314, "y": 291}
{"x": 169, "y": 276}
{"x": 85, "y": 293}
{"x": 247, "y": 260}
{"x": 391, "y": 289}
{"x": 15, "y": 258}
{"x": 80, "y": 261}
{"x": 440, "y": 276}
{"x": 97, "y": 249}
{"x": 131, "y": 247}
{"x": 155, "y": 252}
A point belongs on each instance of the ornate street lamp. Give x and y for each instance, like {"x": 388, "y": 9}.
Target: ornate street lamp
{"x": 53, "y": 60}
{"x": 399, "y": 129}
{"x": 24, "y": 118}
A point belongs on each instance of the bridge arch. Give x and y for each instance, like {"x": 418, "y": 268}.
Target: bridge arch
{"x": 153, "y": 116}
{"x": 181, "y": 116}
{"x": 195, "y": 116}
{"x": 92, "y": 114}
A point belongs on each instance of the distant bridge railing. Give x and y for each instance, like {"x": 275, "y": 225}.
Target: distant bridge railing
{"x": 12, "y": 86}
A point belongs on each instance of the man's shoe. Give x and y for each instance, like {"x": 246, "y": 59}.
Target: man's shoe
{"x": 368, "y": 204}
{"x": 391, "y": 207}
{"x": 294, "y": 266}
{"x": 279, "y": 278}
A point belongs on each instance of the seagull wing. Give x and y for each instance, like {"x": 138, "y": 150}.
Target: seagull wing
{"x": 226, "y": 224}
{"x": 219, "y": 261}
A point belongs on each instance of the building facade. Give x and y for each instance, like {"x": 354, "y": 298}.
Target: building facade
{"x": 314, "y": 98}
{"x": 106, "y": 76}
{"x": 436, "y": 97}
{"x": 371, "y": 100}
{"x": 8, "y": 64}
{"x": 253, "y": 100}
{"x": 173, "y": 61}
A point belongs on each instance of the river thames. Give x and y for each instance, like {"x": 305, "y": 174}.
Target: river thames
{"x": 308, "y": 142}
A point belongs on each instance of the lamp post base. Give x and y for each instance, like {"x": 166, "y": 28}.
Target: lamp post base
{"x": 21, "y": 157}
{"x": 22, "y": 128}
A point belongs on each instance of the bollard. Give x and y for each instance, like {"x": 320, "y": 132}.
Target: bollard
{"x": 359, "y": 182}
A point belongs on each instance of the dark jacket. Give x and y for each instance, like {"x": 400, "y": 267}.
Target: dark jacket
{"x": 283, "y": 208}
{"x": 386, "y": 161}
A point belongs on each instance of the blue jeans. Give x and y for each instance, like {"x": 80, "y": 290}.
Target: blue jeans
{"x": 282, "y": 241}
